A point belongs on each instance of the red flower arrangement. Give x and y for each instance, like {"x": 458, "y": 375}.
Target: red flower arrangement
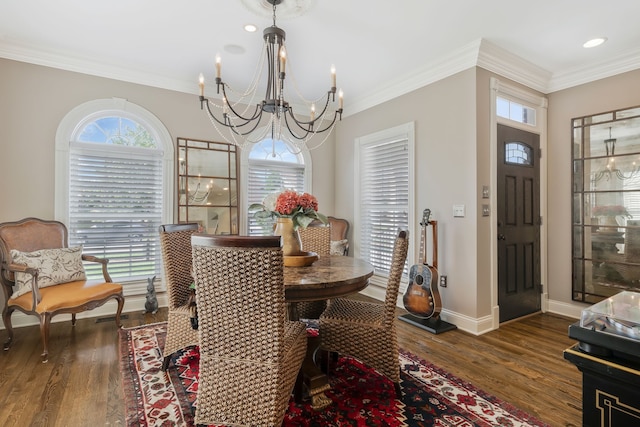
{"x": 302, "y": 208}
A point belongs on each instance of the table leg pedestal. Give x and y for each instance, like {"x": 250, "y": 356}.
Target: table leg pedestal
{"x": 315, "y": 382}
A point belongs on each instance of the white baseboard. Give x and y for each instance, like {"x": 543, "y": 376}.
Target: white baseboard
{"x": 482, "y": 325}
{"x": 573, "y": 309}
{"x": 468, "y": 324}
{"x": 132, "y": 304}
{"x": 135, "y": 303}
{"x": 377, "y": 292}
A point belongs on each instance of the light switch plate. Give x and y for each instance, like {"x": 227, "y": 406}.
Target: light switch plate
{"x": 458, "y": 211}
{"x": 485, "y": 191}
{"x": 485, "y": 210}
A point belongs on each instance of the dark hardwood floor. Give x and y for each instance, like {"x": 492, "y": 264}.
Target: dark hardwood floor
{"x": 520, "y": 363}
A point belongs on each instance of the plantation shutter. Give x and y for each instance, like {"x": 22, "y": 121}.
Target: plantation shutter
{"x": 384, "y": 198}
{"x": 265, "y": 177}
{"x": 115, "y": 207}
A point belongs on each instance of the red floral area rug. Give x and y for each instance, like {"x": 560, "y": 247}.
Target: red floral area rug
{"x": 361, "y": 396}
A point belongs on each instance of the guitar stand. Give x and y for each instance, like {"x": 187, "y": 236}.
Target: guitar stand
{"x": 435, "y": 325}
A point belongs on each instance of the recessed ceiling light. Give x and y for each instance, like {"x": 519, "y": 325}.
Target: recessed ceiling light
{"x": 250, "y": 28}
{"x": 594, "y": 42}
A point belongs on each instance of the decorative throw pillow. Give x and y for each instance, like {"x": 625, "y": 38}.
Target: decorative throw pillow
{"x": 338, "y": 247}
{"x": 54, "y": 266}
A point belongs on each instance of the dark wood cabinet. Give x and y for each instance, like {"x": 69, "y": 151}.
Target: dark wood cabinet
{"x": 610, "y": 389}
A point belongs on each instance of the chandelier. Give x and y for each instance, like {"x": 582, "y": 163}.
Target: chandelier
{"x": 273, "y": 117}
{"x": 197, "y": 195}
{"x": 611, "y": 169}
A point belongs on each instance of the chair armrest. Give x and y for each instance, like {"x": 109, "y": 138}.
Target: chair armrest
{"x": 21, "y": 268}
{"x": 35, "y": 290}
{"x": 103, "y": 261}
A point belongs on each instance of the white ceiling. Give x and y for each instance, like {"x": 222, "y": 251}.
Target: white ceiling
{"x": 380, "y": 48}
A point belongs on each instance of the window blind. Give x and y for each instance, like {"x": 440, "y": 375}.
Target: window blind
{"x": 265, "y": 177}
{"x": 115, "y": 207}
{"x": 384, "y": 199}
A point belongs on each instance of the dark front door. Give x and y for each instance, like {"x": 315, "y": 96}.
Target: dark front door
{"x": 518, "y": 219}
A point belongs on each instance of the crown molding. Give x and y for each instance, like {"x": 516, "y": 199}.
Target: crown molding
{"x": 92, "y": 67}
{"x": 458, "y": 60}
{"x": 481, "y": 53}
{"x": 628, "y": 61}
{"x": 511, "y": 66}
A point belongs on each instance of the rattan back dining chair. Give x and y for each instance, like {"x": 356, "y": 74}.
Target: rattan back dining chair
{"x": 314, "y": 238}
{"x": 175, "y": 243}
{"x": 250, "y": 354}
{"x": 367, "y": 330}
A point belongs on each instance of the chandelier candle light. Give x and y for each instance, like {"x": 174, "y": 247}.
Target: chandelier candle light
{"x": 273, "y": 117}
{"x": 611, "y": 169}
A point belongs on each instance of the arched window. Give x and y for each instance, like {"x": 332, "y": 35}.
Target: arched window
{"x": 271, "y": 167}
{"x": 113, "y": 165}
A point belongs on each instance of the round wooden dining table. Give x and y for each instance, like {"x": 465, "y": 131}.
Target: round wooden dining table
{"x": 328, "y": 277}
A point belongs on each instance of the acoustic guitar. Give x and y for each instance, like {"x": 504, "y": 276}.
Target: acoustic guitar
{"x": 422, "y": 298}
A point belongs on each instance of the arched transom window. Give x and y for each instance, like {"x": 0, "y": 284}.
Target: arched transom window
{"x": 115, "y": 179}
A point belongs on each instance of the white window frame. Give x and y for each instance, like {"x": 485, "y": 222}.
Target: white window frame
{"x": 305, "y": 157}
{"x": 401, "y": 132}
{"x": 71, "y": 124}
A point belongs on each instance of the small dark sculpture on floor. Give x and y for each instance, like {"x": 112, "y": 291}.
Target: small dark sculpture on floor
{"x": 151, "y": 304}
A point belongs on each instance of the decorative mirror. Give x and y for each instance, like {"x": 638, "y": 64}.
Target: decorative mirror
{"x": 606, "y": 204}
{"x": 208, "y": 185}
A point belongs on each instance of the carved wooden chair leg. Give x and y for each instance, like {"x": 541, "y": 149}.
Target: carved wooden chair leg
{"x": 120, "y": 299}
{"x": 165, "y": 362}
{"x": 6, "y": 318}
{"x": 398, "y": 390}
{"x": 45, "y": 322}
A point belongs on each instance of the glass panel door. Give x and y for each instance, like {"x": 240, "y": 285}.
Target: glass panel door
{"x": 606, "y": 204}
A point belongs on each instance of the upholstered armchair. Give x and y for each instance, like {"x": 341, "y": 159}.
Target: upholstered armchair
{"x": 339, "y": 232}
{"x": 366, "y": 330}
{"x": 175, "y": 242}
{"x": 250, "y": 355}
{"x": 43, "y": 277}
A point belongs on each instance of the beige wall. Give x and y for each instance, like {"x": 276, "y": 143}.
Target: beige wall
{"x": 608, "y": 94}
{"x": 33, "y": 101}
{"x": 453, "y": 146}
{"x": 445, "y": 136}
{"x": 452, "y": 124}
{"x": 483, "y": 177}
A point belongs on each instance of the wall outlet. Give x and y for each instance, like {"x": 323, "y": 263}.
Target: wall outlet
{"x": 443, "y": 281}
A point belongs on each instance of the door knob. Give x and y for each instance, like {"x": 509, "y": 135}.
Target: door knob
{"x": 501, "y": 237}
